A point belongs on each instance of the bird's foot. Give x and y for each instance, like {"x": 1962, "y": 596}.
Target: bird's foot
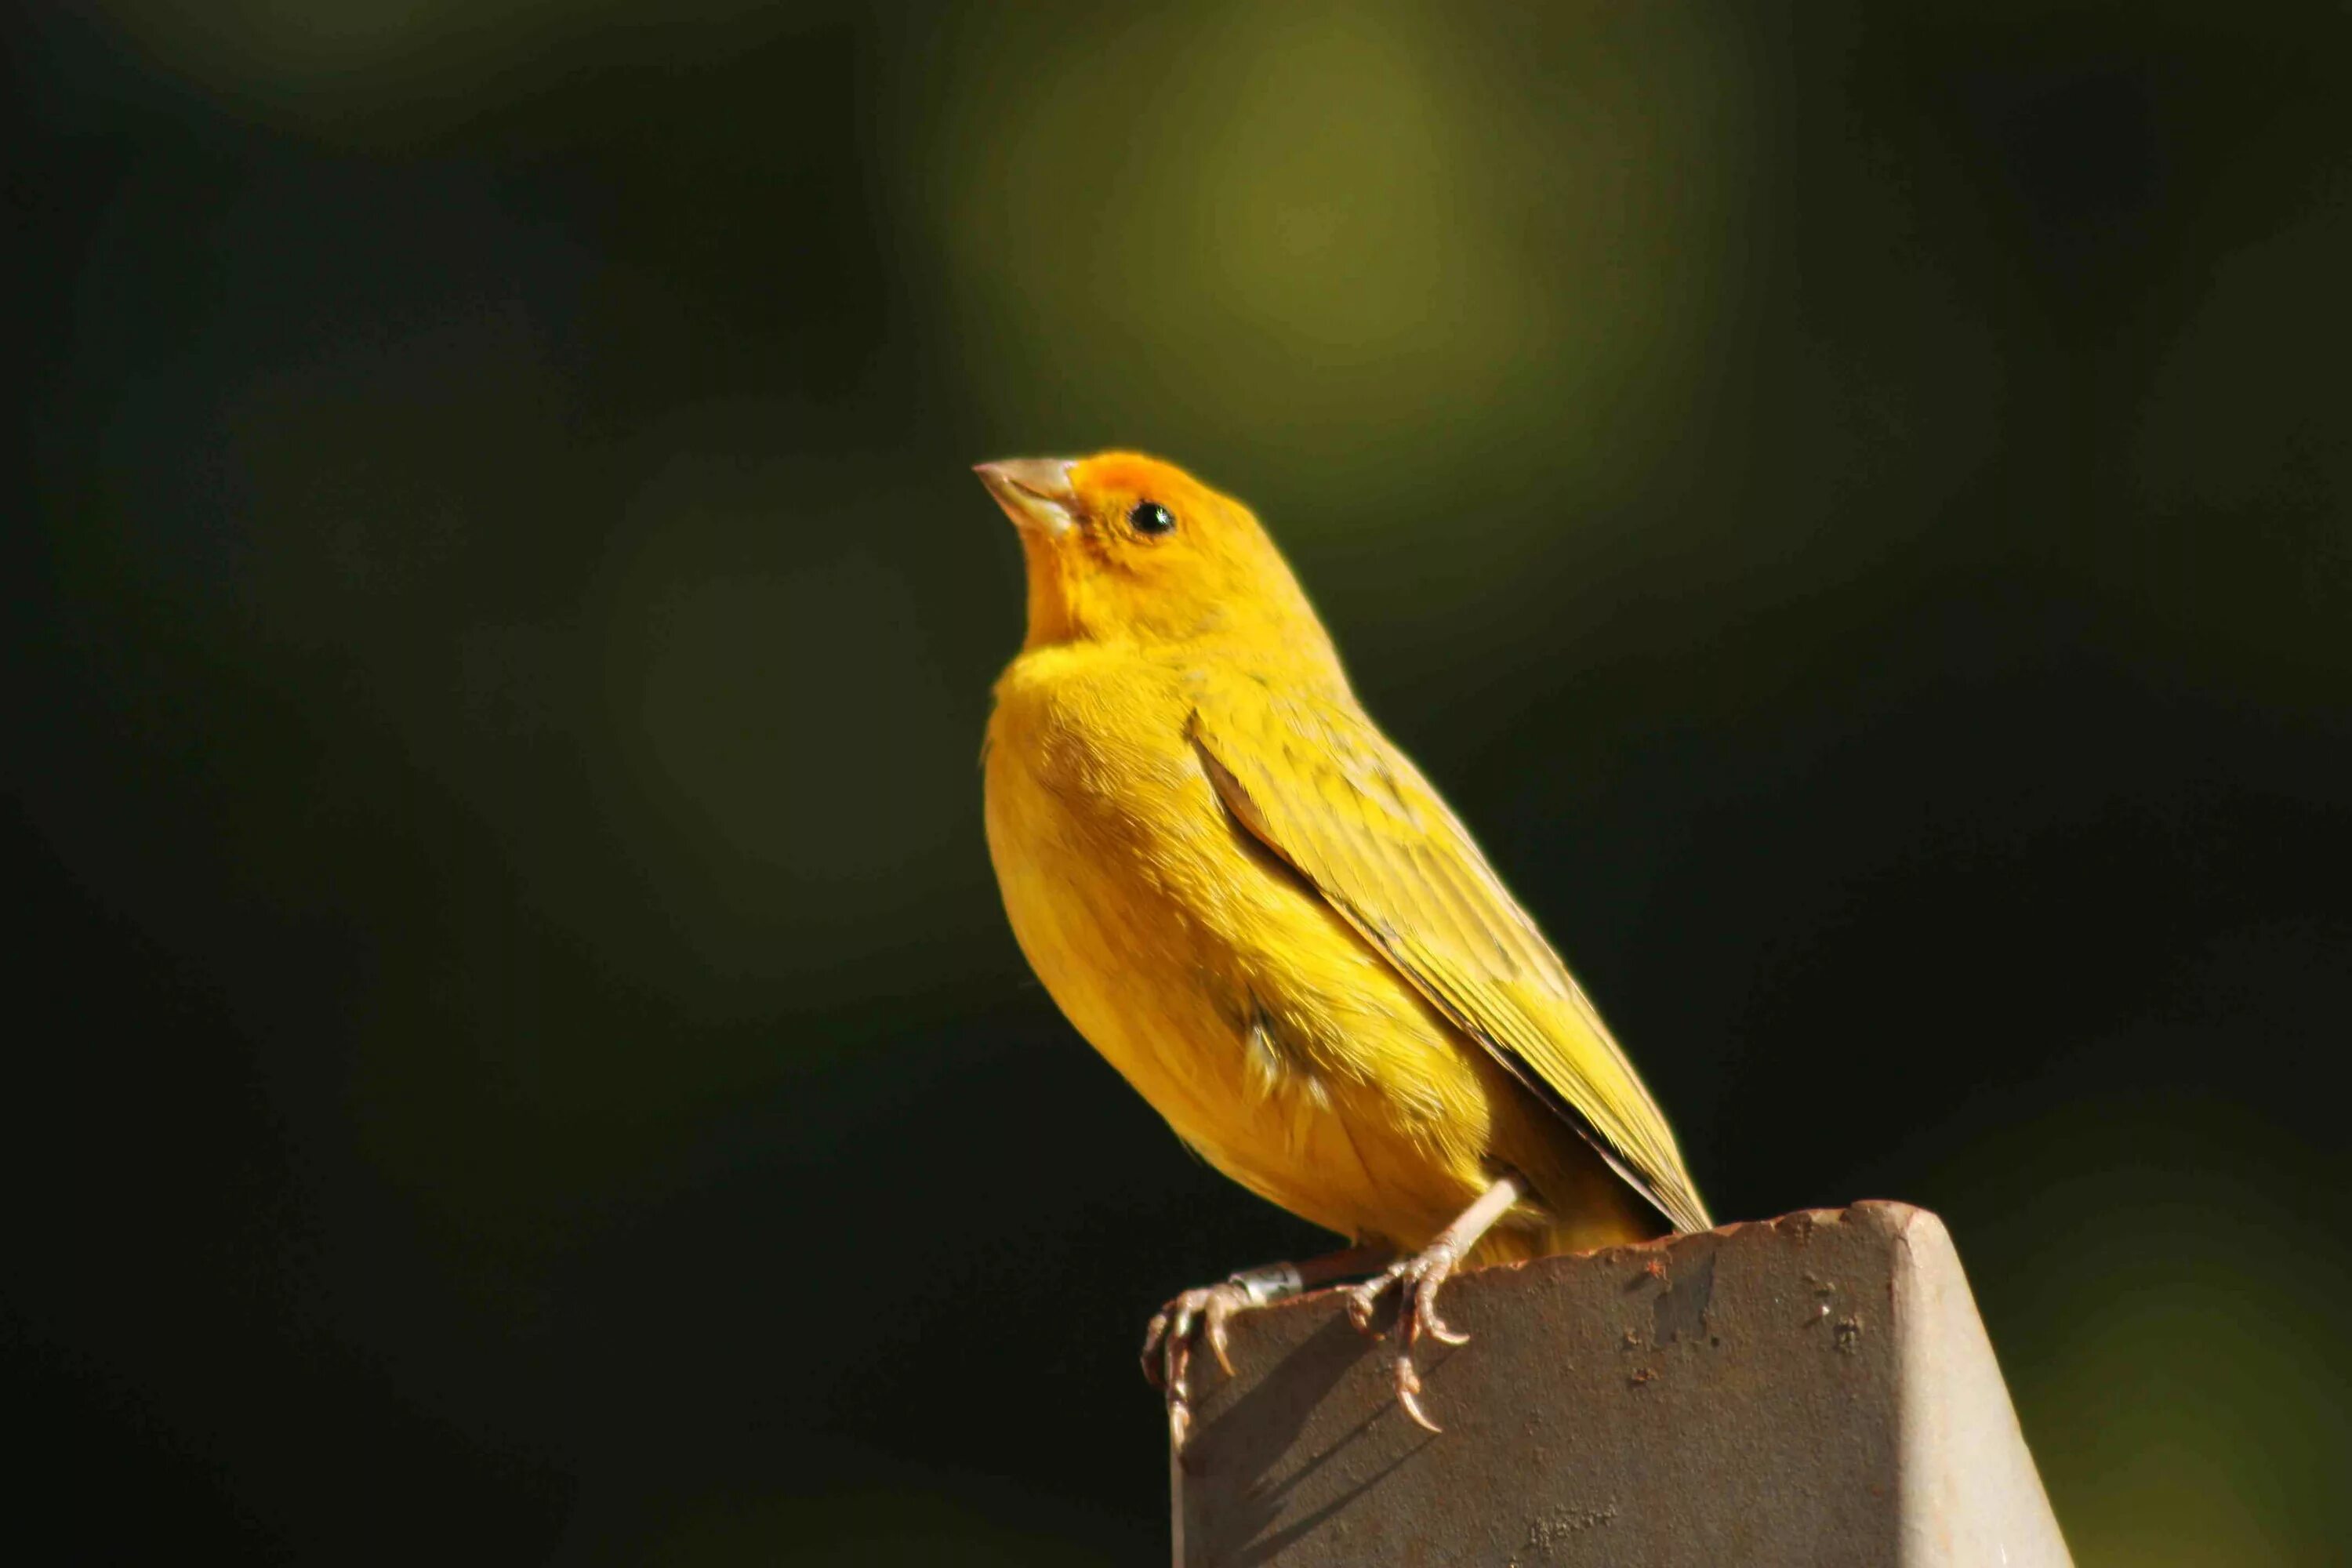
{"x": 1416, "y": 1278}
{"x": 1168, "y": 1340}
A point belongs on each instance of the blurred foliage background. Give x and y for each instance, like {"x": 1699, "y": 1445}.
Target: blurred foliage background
{"x": 518, "y": 1055}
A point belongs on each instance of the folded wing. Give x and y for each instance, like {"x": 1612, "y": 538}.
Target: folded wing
{"x": 1312, "y": 778}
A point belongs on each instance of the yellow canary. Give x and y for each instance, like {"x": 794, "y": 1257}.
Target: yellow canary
{"x": 1255, "y": 906}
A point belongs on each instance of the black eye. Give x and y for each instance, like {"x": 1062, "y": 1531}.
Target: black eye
{"x": 1149, "y": 517}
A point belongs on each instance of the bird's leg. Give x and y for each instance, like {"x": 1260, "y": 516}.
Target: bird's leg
{"x": 1168, "y": 1342}
{"x": 1417, "y": 1277}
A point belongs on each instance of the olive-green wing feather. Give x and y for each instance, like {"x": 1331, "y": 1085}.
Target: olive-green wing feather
{"x": 1313, "y": 779}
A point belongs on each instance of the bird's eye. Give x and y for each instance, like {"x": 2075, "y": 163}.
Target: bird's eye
{"x": 1150, "y": 518}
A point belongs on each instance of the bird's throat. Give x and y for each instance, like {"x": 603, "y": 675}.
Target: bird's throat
{"x": 1055, "y": 594}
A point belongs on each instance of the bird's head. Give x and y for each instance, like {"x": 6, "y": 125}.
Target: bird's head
{"x": 1125, "y": 547}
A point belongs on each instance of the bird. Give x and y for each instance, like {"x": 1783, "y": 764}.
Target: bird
{"x": 1255, "y": 906}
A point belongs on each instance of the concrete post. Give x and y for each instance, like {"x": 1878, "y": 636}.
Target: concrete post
{"x": 1809, "y": 1392}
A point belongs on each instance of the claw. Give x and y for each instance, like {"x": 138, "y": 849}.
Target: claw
{"x": 1155, "y": 1332}
{"x": 1416, "y": 1280}
{"x": 1408, "y": 1393}
{"x": 1363, "y": 1299}
{"x": 1167, "y": 1347}
{"x": 1425, "y": 1310}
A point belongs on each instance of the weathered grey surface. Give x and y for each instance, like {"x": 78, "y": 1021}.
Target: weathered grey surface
{"x": 1816, "y": 1390}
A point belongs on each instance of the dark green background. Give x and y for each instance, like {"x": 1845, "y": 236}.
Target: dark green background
{"x": 518, "y": 1057}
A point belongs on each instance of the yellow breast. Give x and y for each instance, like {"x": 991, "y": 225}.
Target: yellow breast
{"x": 1225, "y": 990}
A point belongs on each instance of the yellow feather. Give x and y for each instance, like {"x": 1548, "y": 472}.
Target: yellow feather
{"x": 1356, "y": 818}
{"x": 1259, "y": 911}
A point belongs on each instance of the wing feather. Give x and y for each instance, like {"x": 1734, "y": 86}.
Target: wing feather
{"x": 1314, "y": 780}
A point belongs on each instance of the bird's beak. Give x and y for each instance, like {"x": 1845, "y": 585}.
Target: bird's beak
{"x": 1035, "y": 492}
